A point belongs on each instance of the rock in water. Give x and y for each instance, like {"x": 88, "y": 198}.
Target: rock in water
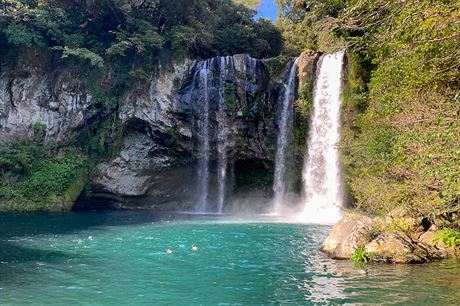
{"x": 346, "y": 236}
{"x": 355, "y": 230}
{"x": 389, "y": 247}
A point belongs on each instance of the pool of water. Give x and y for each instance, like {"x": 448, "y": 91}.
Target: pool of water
{"x": 48, "y": 259}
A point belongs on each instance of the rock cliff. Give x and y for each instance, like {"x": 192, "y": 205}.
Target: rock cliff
{"x": 159, "y": 118}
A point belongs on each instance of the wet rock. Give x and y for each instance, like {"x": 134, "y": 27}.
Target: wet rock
{"x": 158, "y": 117}
{"x": 57, "y": 99}
{"x": 307, "y": 66}
{"x": 429, "y": 236}
{"x": 349, "y": 233}
{"x": 389, "y": 247}
{"x": 123, "y": 175}
{"x": 382, "y": 241}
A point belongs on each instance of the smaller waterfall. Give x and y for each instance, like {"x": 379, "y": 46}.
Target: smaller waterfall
{"x": 222, "y": 134}
{"x": 321, "y": 176}
{"x": 203, "y": 136}
{"x": 284, "y": 134}
{"x": 212, "y": 130}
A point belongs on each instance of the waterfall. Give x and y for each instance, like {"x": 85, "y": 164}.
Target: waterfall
{"x": 203, "y": 136}
{"x": 284, "y": 135}
{"x": 208, "y": 93}
{"x": 222, "y": 134}
{"x": 323, "y": 196}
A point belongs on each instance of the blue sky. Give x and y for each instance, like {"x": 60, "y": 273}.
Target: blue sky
{"x": 268, "y": 9}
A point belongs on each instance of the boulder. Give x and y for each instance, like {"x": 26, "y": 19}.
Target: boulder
{"x": 429, "y": 237}
{"x": 381, "y": 242}
{"x": 307, "y": 66}
{"x": 350, "y": 232}
{"x": 390, "y": 247}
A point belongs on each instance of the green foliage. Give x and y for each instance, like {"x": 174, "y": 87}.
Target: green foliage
{"x": 39, "y": 132}
{"x": 20, "y": 35}
{"x": 360, "y": 255}
{"x": 32, "y": 179}
{"x": 302, "y": 108}
{"x": 247, "y": 111}
{"x": 450, "y": 237}
{"x": 310, "y": 25}
{"x": 171, "y": 139}
{"x": 229, "y": 96}
{"x": 17, "y": 158}
{"x": 51, "y": 176}
{"x": 401, "y": 112}
{"x": 84, "y": 54}
{"x": 249, "y": 3}
{"x": 140, "y": 39}
{"x": 105, "y": 32}
{"x": 276, "y": 66}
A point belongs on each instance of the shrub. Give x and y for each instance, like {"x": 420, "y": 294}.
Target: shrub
{"x": 34, "y": 180}
{"x": 360, "y": 255}
{"x": 450, "y": 237}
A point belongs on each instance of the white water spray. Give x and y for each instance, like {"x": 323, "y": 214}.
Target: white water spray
{"x": 285, "y": 131}
{"x": 222, "y": 135}
{"x": 323, "y": 197}
{"x": 203, "y": 126}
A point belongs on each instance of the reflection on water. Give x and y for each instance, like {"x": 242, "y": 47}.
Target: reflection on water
{"x": 49, "y": 260}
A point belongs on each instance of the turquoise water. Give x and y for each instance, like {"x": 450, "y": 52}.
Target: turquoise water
{"x": 49, "y": 260}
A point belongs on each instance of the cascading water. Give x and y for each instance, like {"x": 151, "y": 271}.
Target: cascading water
{"x": 323, "y": 196}
{"x": 203, "y": 136}
{"x": 224, "y": 92}
{"x": 208, "y": 93}
{"x": 222, "y": 133}
{"x": 284, "y": 134}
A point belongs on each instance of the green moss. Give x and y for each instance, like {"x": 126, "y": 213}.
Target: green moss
{"x": 229, "y": 96}
{"x": 75, "y": 189}
{"x": 240, "y": 142}
{"x": 172, "y": 138}
{"x": 276, "y": 66}
{"x": 177, "y": 84}
{"x": 35, "y": 180}
{"x": 450, "y": 237}
{"x": 357, "y": 77}
{"x": 303, "y": 106}
{"x": 39, "y": 132}
{"x": 360, "y": 255}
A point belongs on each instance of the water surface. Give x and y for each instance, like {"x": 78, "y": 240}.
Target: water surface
{"x": 49, "y": 260}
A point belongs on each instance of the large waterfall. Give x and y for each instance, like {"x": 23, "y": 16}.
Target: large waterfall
{"x": 226, "y": 63}
{"x": 203, "y": 135}
{"x": 323, "y": 196}
{"x": 284, "y": 135}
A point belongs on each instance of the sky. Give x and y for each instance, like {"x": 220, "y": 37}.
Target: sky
{"x": 268, "y": 9}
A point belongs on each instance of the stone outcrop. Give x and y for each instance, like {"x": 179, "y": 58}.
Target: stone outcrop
{"x": 349, "y": 233}
{"x": 390, "y": 247}
{"x": 56, "y": 99}
{"x": 307, "y": 66}
{"x": 159, "y": 142}
{"x": 382, "y": 241}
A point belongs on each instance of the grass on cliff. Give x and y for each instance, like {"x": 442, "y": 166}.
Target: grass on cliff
{"x": 34, "y": 179}
{"x": 450, "y": 237}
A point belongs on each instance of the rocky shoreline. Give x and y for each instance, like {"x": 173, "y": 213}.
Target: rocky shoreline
{"x": 395, "y": 238}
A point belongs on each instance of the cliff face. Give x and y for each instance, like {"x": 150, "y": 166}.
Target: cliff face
{"x": 163, "y": 119}
{"x": 160, "y": 119}
{"x": 28, "y": 96}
